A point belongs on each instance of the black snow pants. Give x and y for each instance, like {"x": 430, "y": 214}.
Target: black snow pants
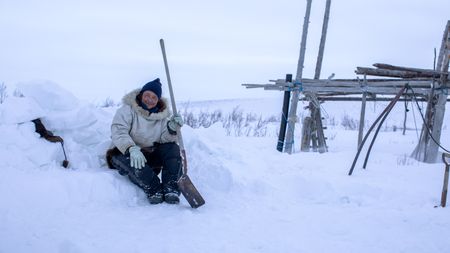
{"x": 163, "y": 157}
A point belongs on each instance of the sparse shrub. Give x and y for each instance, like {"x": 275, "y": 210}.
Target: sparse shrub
{"x": 235, "y": 123}
{"x": 3, "y": 93}
{"x": 190, "y": 119}
{"x": 17, "y": 93}
{"x": 109, "y": 102}
{"x": 349, "y": 123}
{"x": 405, "y": 160}
{"x": 260, "y": 128}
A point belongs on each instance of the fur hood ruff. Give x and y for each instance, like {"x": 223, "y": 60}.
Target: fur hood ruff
{"x": 163, "y": 113}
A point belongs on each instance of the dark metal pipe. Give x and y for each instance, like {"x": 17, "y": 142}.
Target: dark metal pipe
{"x": 373, "y": 125}
{"x": 376, "y": 133}
{"x": 285, "y": 110}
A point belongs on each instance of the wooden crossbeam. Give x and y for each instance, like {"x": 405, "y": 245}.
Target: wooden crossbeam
{"x": 393, "y": 73}
{"x": 418, "y": 70}
{"x": 350, "y": 86}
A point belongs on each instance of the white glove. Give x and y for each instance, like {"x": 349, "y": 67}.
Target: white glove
{"x": 175, "y": 122}
{"x": 137, "y": 159}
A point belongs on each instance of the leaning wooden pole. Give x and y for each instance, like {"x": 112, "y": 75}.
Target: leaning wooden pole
{"x": 319, "y": 143}
{"x": 296, "y": 93}
{"x": 323, "y": 39}
{"x": 322, "y": 145}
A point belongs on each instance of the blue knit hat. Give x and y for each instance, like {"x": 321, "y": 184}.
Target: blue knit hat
{"x": 154, "y": 86}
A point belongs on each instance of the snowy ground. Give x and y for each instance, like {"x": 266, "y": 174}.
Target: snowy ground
{"x": 257, "y": 199}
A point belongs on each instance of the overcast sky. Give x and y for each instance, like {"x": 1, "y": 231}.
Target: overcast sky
{"x": 100, "y": 49}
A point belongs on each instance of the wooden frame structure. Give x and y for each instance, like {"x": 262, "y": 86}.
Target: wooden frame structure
{"x": 428, "y": 85}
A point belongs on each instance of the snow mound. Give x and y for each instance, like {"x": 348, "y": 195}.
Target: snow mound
{"x": 204, "y": 167}
{"x": 49, "y": 95}
{"x": 20, "y": 109}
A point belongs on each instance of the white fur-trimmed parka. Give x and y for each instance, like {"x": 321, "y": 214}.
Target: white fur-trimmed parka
{"x": 133, "y": 125}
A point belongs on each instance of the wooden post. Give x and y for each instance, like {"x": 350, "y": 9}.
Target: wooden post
{"x": 362, "y": 118}
{"x": 406, "y": 116}
{"x": 426, "y": 150}
{"x": 314, "y": 130}
{"x": 306, "y": 134}
{"x": 362, "y": 115}
{"x": 296, "y": 93}
{"x": 439, "y": 113}
{"x": 284, "y": 114}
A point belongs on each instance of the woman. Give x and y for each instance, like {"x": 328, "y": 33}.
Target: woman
{"x": 145, "y": 136}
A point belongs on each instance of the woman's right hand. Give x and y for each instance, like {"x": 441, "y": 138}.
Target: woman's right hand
{"x": 137, "y": 159}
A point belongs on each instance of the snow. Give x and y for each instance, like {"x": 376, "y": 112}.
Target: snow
{"x": 257, "y": 199}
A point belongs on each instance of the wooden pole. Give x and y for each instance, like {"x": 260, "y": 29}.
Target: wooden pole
{"x": 323, "y": 38}
{"x": 296, "y": 93}
{"x": 322, "y": 146}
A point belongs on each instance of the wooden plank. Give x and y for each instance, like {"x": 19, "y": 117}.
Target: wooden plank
{"x": 368, "y": 99}
{"x": 375, "y": 90}
{"x": 345, "y": 90}
{"x": 430, "y": 72}
{"x": 358, "y": 83}
{"x": 393, "y": 73}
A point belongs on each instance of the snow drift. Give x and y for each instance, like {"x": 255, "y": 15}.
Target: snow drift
{"x": 257, "y": 199}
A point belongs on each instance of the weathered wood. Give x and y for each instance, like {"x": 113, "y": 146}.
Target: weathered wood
{"x": 306, "y": 134}
{"x": 426, "y": 83}
{"x": 429, "y": 72}
{"x": 376, "y": 90}
{"x": 344, "y": 90}
{"x": 317, "y": 136}
{"x": 438, "y": 116}
{"x": 368, "y": 99}
{"x": 323, "y": 38}
{"x": 426, "y": 149}
{"x": 393, "y": 73}
{"x": 362, "y": 118}
{"x": 296, "y": 93}
{"x": 322, "y": 145}
{"x": 404, "y": 119}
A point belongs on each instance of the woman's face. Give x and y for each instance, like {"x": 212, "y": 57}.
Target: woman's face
{"x": 150, "y": 99}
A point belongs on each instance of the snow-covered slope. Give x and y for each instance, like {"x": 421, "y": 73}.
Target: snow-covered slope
{"x": 257, "y": 199}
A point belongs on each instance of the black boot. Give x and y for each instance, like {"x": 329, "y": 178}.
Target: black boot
{"x": 156, "y": 197}
{"x": 169, "y": 153}
{"x": 171, "y": 193}
{"x": 145, "y": 178}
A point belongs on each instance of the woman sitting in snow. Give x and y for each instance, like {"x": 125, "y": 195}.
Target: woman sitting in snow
{"x": 144, "y": 139}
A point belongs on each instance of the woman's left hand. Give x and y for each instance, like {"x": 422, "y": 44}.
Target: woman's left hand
{"x": 175, "y": 122}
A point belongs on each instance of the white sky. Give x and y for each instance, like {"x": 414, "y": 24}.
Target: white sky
{"x": 100, "y": 49}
